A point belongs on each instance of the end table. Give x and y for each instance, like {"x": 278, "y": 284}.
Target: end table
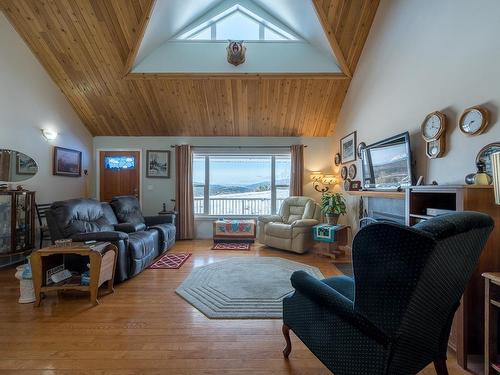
{"x": 102, "y": 258}
{"x": 330, "y": 239}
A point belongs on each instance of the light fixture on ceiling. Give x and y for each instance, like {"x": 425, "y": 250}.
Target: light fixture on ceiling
{"x": 318, "y": 178}
{"x": 49, "y": 134}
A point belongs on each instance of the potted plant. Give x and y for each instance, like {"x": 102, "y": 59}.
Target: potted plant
{"x": 332, "y": 206}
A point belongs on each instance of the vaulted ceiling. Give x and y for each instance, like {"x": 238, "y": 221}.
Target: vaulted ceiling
{"x": 88, "y": 48}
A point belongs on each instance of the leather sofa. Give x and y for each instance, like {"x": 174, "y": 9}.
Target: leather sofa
{"x": 128, "y": 212}
{"x": 291, "y": 228}
{"x": 87, "y": 220}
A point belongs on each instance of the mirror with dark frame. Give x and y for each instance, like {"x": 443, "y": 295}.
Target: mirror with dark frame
{"x": 16, "y": 166}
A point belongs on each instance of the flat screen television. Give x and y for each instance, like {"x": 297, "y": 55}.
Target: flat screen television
{"x": 386, "y": 165}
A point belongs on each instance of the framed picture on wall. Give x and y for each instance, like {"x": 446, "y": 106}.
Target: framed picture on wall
{"x": 67, "y": 162}
{"x": 348, "y": 148}
{"x": 158, "y": 164}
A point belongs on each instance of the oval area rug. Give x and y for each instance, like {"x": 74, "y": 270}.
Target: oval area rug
{"x": 242, "y": 287}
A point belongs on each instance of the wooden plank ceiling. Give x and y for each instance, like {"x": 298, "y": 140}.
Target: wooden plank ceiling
{"x": 85, "y": 45}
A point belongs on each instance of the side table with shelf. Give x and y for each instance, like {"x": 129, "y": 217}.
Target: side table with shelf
{"x": 491, "y": 306}
{"x": 331, "y": 239}
{"x": 102, "y": 259}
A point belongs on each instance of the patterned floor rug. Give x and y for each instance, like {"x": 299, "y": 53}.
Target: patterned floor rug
{"x": 231, "y": 246}
{"x": 170, "y": 261}
{"x": 242, "y": 287}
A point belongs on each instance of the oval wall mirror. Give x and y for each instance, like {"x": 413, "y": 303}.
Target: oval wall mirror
{"x": 16, "y": 166}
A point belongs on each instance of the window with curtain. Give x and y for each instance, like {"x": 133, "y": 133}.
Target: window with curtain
{"x": 240, "y": 184}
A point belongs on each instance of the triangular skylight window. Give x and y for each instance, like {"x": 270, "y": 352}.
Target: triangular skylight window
{"x": 236, "y": 23}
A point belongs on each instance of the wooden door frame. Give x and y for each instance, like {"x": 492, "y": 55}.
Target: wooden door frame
{"x": 98, "y": 168}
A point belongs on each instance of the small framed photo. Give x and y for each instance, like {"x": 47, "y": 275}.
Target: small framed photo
{"x": 67, "y": 162}
{"x": 348, "y": 148}
{"x": 158, "y": 164}
{"x": 25, "y": 165}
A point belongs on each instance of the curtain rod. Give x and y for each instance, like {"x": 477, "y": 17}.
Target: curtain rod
{"x": 173, "y": 146}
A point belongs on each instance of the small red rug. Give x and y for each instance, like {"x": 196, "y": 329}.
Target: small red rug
{"x": 231, "y": 246}
{"x": 170, "y": 261}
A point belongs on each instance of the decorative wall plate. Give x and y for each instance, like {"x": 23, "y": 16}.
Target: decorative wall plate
{"x": 352, "y": 171}
{"x": 337, "y": 158}
{"x": 343, "y": 172}
{"x": 347, "y": 185}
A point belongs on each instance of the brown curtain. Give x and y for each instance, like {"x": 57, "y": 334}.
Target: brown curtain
{"x": 184, "y": 191}
{"x": 4, "y": 165}
{"x": 297, "y": 175}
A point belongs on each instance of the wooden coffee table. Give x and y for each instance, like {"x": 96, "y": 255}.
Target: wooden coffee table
{"x": 102, "y": 258}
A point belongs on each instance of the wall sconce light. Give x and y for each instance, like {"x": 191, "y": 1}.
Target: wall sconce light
{"x": 318, "y": 178}
{"x": 49, "y": 135}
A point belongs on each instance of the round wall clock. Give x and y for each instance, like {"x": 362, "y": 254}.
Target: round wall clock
{"x": 352, "y": 171}
{"x": 433, "y": 126}
{"x": 343, "y": 172}
{"x": 361, "y": 147}
{"x": 474, "y": 120}
{"x": 337, "y": 159}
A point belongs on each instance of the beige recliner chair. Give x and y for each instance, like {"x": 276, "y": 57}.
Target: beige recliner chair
{"x": 291, "y": 229}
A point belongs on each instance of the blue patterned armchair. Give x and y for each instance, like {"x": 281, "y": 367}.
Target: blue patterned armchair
{"x": 395, "y": 315}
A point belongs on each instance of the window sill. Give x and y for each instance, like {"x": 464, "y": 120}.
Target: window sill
{"x": 216, "y": 217}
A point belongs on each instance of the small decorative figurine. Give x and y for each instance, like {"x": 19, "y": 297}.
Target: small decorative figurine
{"x": 481, "y": 177}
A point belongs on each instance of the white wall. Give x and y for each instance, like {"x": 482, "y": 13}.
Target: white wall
{"x": 422, "y": 56}
{"x": 30, "y": 101}
{"x": 270, "y": 57}
{"x": 317, "y": 156}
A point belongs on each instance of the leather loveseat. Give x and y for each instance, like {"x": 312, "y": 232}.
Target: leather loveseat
{"x": 128, "y": 212}
{"x": 87, "y": 219}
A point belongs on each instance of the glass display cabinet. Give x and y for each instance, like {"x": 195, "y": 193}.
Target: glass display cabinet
{"x": 17, "y": 226}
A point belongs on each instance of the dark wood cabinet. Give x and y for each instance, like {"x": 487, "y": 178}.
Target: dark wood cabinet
{"x": 17, "y": 226}
{"x": 467, "y": 336}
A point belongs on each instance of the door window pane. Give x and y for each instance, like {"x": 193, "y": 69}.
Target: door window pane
{"x": 119, "y": 162}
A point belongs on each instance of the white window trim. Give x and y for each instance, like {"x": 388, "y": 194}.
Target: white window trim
{"x": 263, "y": 23}
{"x": 206, "y": 185}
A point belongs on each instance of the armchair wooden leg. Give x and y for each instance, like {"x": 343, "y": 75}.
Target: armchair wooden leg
{"x": 288, "y": 348}
{"x": 440, "y": 366}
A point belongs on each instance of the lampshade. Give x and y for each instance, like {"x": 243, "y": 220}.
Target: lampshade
{"x": 329, "y": 179}
{"x": 495, "y": 166}
{"x": 316, "y": 176}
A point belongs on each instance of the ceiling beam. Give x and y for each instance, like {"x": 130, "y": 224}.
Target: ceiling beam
{"x": 140, "y": 34}
{"x": 327, "y": 28}
{"x": 242, "y": 76}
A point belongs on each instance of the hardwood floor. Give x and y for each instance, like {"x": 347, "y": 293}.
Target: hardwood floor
{"x": 145, "y": 328}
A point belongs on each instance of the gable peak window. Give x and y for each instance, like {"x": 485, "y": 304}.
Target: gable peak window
{"x": 237, "y": 23}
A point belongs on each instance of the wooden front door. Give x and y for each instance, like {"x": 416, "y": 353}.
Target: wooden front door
{"x": 120, "y": 172}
